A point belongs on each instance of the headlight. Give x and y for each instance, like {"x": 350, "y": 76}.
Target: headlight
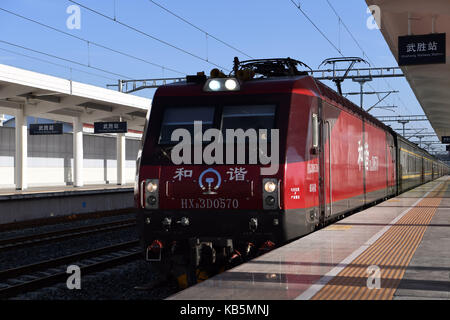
{"x": 271, "y": 193}
{"x": 152, "y": 200}
{"x": 270, "y": 186}
{"x": 231, "y": 84}
{"x": 151, "y": 194}
{"x": 270, "y": 201}
{"x": 222, "y": 84}
{"x": 214, "y": 85}
{"x": 152, "y": 187}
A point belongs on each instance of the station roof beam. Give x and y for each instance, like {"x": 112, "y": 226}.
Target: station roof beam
{"x": 429, "y": 82}
{"x": 25, "y": 93}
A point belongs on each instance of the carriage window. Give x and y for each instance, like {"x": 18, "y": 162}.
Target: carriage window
{"x": 184, "y": 117}
{"x": 248, "y": 117}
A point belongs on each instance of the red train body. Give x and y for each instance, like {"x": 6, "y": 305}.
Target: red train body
{"x": 333, "y": 159}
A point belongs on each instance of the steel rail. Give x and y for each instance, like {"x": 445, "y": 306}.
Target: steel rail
{"x": 60, "y": 235}
{"x": 54, "y": 270}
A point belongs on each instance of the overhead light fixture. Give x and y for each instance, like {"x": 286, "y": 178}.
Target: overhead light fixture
{"x": 222, "y": 84}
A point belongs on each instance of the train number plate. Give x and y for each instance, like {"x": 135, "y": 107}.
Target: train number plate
{"x": 200, "y": 203}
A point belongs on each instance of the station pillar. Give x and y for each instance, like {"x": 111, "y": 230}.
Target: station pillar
{"x": 77, "y": 152}
{"x": 20, "y": 170}
{"x": 120, "y": 158}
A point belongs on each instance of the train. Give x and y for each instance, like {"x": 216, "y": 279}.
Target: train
{"x": 328, "y": 158}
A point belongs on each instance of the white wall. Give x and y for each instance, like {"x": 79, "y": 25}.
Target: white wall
{"x": 50, "y": 160}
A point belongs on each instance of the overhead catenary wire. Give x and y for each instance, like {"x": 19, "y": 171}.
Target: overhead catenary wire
{"x": 315, "y": 26}
{"x": 200, "y": 29}
{"x": 56, "y": 64}
{"x": 89, "y": 42}
{"x": 65, "y": 59}
{"x": 341, "y": 22}
{"x": 359, "y": 46}
{"x": 347, "y": 29}
{"x": 321, "y": 32}
{"x": 298, "y": 6}
{"x": 147, "y": 34}
{"x": 364, "y": 53}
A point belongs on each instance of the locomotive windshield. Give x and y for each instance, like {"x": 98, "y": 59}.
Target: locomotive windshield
{"x": 233, "y": 117}
{"x": 184, "y": 117}
{"x": 248, "y": 117}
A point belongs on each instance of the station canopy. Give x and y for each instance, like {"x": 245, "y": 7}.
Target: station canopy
{"x": 58, "y": 99}
{"x": 429, "y": 82}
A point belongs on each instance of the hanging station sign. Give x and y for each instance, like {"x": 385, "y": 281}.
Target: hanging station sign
{"x": 421, "y": 49}
{"x": 46, "y": 128}
{"x": 446, "y": 139}
{"x": 110, "y": 127}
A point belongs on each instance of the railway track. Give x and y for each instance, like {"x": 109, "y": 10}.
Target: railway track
{"x": 60, "y": 235}
{"x": 50, "y": 272}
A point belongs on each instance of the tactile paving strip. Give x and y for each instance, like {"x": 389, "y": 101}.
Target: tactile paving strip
{"x": 392, "y": 253}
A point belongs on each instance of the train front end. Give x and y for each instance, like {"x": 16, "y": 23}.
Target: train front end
{"x": 210, "y": 180}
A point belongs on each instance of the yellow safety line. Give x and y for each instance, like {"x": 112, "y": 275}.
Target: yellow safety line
{"x": 392, "y": 253}
{"x": 411, "y": 176}
{"x": 415, "y": 175}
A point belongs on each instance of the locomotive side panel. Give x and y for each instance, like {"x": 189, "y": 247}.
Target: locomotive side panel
{"x": 375, "y": 163}
{"x": 301, "y": 179}
{"x": 343, "y": 152}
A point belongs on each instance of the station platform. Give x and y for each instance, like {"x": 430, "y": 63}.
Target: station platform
{"x": 398, "y": 249}
{"x": 60, "y": 191}
{"x": 46, "y": 202}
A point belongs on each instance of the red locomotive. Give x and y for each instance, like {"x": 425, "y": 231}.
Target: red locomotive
{"x": 333, "y": 158}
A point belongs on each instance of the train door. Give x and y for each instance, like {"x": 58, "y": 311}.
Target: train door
{"x": 325, "y": 180}
{"x": 329, "y": 117}
{"x": 391, "y": 160}
{"x": 399, "y": 167}
{"x": 422, "y": 173}
{"x": 432, "y": 171}
{"x": 328, "y": 185}
{"x": 322, "y": 200}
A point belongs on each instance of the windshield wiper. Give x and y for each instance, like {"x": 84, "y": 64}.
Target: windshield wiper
{"x": 165, "y": 150}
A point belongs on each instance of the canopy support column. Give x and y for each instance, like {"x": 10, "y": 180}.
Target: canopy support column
{"x": 121, "y": 158}
{"x": 77, "y": 152}
{"x": 20, "y": 169}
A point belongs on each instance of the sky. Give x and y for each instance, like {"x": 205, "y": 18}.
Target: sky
{"x": 166, "y": 46}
